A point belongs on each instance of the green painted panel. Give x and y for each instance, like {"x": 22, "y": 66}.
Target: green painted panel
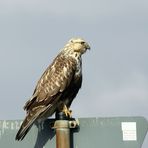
{"x": 92, "y": 133}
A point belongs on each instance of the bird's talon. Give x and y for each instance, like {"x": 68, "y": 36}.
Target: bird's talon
{"x": 67, "y": 112}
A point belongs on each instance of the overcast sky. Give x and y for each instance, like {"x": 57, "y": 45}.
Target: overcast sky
{"x": 115, "y": 70}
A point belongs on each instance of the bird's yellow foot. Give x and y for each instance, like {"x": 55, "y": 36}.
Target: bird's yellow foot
{"x": 67, "y": 111}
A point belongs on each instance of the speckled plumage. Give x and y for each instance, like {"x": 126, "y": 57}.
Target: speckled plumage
{"x": 57, "y": 87}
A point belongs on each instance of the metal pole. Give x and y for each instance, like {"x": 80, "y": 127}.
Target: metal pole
{"x": 63, "y": 126}
{"x": 62, "y": 134}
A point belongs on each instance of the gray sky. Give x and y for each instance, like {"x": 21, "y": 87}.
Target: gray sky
{"x": 115, "y": 70}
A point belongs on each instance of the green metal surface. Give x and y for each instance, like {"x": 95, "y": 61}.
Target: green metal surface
{"x": 92, "y": 133}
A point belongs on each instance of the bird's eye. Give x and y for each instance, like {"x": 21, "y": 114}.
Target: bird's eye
{"x": 82, "y": 42}
{"x": 71, "y": 41}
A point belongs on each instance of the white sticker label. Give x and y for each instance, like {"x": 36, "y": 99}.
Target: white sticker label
{"x": 129, "y": 131}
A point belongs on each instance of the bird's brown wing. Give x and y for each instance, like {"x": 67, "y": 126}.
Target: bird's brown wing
{"x": 53, "y": 82}
{"x": 50, "y": 87}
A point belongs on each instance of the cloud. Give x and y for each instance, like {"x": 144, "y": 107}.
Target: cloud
{"x": 115, "y": 72}
{"x": 87, "y": 9}
{"x": 127, "y": 98}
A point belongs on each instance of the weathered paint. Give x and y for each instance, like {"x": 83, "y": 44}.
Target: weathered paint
{"x": 6, "y": 125}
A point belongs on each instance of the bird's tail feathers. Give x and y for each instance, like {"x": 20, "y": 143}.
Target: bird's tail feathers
{"x": 27, "y": 123}
{"x": 25, "y": 127}
{"x": 32, "y": 117}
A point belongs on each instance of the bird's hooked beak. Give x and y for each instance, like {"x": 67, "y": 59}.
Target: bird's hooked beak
{"x": 87, "y": 46}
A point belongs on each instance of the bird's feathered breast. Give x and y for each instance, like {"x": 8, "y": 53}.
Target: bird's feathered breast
{"x": 62, "y": 74}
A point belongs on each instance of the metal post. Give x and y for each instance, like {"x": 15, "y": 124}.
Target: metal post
{"x": 62, "y": 126}
{"x": 62, "y": 134}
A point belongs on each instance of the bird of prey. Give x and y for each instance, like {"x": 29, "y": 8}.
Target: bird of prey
{"x": 57, "y": 87}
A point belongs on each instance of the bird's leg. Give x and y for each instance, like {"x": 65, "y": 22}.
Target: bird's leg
{"x": 67, "y": 111}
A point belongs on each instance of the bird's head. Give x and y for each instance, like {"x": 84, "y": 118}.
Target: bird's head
{"x": 78, "y": 45}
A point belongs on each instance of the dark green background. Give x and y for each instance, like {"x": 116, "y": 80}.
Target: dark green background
{"x": 92, "y": 133}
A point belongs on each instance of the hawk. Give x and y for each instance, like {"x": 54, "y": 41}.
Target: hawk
{"x": 57, "y": 87}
